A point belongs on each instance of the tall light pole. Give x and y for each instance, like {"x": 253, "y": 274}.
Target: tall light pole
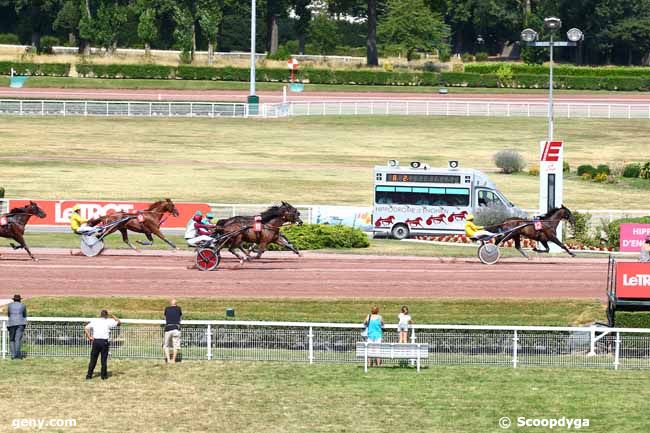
{"x": 253, "y": 100}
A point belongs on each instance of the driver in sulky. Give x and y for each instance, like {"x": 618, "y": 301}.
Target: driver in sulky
{"x": 473, "y": 231}
{"x": 77, "y": 222}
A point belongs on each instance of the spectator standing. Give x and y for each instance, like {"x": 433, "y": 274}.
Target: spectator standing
{"x": 404, "y": 321}
{"x": 172, "y": 338}
{"x": 645, "y": 251}
{"x": 17, "y": 313}
{"x": 101, "y": 329}
{"x": 375, "y": 324}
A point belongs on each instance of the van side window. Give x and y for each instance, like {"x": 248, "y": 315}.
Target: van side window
{"x": 488, "y": 198}
{"x": 422, "y": 196}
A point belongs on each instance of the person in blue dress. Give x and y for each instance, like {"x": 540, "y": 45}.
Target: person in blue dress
{"x": 375, "y": 324}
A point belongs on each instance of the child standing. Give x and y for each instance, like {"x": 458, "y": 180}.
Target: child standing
{"x": 404, "y": 322}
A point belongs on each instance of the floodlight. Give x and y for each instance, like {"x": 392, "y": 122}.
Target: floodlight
{"x": 552, "y": 23}
{"x": 529, "y": 35}
{"x": 575, "y": 35}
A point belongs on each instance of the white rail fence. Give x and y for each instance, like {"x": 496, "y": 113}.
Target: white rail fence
{"x": 37, "y": 107}
{"x": 514, "y": 346}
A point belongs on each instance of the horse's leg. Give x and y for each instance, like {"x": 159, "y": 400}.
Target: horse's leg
{"x": 125, "y": 239}
{"x": 156, "y": 231}
{"x": 283, "y": 241}
{"x": 261, "y": 248}
{"x": 557, "y": 242}
{"x": 545, "y": 243}
{"x": 18, "y": 237}
{"x": 149, "y": 239}
{"x": 517, "y": 240}
{"x": 236, "y": 243}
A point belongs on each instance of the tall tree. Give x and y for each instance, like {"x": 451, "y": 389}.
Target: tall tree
{"x": 210, "y": 14}
{"x": 67, "y": 20}
{"x": 411, "y": 25}
{"x": 37, "y": 15}
{"x": 301, "y": 25}
{"x": 372, "y": 58}
{"x": 147, "y": 28}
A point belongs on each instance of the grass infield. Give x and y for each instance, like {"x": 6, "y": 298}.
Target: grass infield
{"x": 147, "y": 396}
{"x": 469, "y": 312}
{"x": 253, "y": 161}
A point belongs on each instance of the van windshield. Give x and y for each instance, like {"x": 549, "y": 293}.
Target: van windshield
{"x": 422, "y": 196}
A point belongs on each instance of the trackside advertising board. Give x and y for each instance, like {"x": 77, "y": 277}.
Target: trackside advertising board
{"x": 633, "y": 280}
{"x": 633, "y": 236}
{"x": 58, "y": 212}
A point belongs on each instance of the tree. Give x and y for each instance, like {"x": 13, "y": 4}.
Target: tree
{"x": 110, "y": 17}
{"x": 411, "y": 25}
{"x": 147, "y": 28}
{"x": 301, "y": 25}
{"x": 323, "y": 34}
{"x": 37, "y": 15}
{"x": 184, "y": 32}
{"x": 372, "y": 59}
{"x": 67, "y": 19}
{"x": 210, "y": 15}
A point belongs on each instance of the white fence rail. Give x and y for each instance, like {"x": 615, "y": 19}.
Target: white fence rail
{"x": 37, "y": 107}
{"x": 514, "y": 346}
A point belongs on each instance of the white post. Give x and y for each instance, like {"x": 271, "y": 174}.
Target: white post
{"x": 592, "y": 341}
{"x": 4, "y": 339}
{"x": 617, "y": 350}
{"x": 514, "y": 349}
{"x": 365, "y": 358}
{"x": 21, "y": 107}
{"x": 550, "y": 93}
{"x": 64, "y": 109}
{"x": 418, "y": 359}
{"x": 209, "y": 342}
{"x": 149, "y": 109}
{"x": 42, "y": 108}
{"x": 85, "y": 108}
{"x": 311, "y": 345}
{"x": 284, "y": 94}
{"x": 128, "y": 109}
{"x": 252, "y": 77}
{"x": 169, "y": 109}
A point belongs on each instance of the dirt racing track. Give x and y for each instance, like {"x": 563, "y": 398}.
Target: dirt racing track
{"x": 286, "y": 275}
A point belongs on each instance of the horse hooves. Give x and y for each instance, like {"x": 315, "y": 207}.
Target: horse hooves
{"x": 35, "y": 259}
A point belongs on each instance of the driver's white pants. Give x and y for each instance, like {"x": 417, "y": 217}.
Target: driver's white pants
{"x": 482, "y": 233}
{"x": 197, "y": 240}
{"x": 83, "y": 229}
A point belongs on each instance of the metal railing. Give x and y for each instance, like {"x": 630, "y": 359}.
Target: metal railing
{"x": 34, "y": 107}
{"x": 37, "y": 107}
{"x": 468, "y": 108}
{"x": 514, "y": 346}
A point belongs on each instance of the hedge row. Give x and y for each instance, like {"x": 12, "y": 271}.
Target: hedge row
{"x": 22, "y": 68}
{"x": 318, "y": 236}
{"x": 575, "y": 71}
{"x": 126, "y": 71}
{"x": 632, "y": 319}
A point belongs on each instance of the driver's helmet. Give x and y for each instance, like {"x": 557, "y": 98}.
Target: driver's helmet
{"x": 209, "y": 216}
{"x": 76, "y": 208}
{"x": 197, "y": 218}
{"x": 198, "y": 212}
{"x": 469, "y": 217}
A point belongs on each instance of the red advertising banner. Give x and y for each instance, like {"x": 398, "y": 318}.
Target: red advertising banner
{"x": 58, "y": 212}
{"x": 633, "y": 280}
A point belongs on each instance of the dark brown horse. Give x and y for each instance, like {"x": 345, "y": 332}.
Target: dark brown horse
{"x": 542, "y": 229}
{"x": 146, "y": 221}
{"x": 272, "y": 220}
{"x": 12, "y": 224}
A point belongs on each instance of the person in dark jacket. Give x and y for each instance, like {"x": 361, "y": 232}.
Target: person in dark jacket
{"x": 17, "y": 313}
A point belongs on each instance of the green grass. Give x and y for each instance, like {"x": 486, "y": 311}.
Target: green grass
{"x": 252, "y": 161}
{"x": 99, "y": 83}
{"x": 467, "y": 312}
{"x": 147, "y": 396}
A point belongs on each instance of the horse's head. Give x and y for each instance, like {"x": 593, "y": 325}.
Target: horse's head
{"x": 171, "y": 207}
{"x": 566, "y": 214}
{"x": 33, "y": 209}
{"x": 290, "y": 213}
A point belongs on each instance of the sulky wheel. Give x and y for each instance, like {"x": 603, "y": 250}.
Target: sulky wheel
{"x": 489, "y": 254}
{"x": 91, "y": 246}
{"x": 207, "y": 259}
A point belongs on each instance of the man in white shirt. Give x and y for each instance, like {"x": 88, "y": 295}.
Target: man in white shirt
{"x": 101, "y": 329}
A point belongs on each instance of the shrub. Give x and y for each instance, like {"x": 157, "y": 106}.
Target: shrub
{"x": 467, "y": 58}
{"x": 282, "y": 54}
{"x": 534, "y": 170}
{"x": 585, "y": 176}
{"x": 444, "y": 54}
{"x": 632, "y": 319}
{"x": 504, "y": 76}
{"x": 47, "y": 43}
{"x": 28, "y": 68}
{"x": 318, "y": 236}
{"x": 2, "y": 192}
{"x": 613, "y": 228}
{"x": 632, "y": 170}
{"x": 611, "y": 179}
{"x": 600, "y": 177}
{"x": 580, "y": 230}
{"x": 645, "y": 171}
{"x": 9, "y": 39}
{"x": 566, "y": 168}
{"x": 185, "y": 57}
{"x": 481, "y": 57}
{"x": 493, "y": 215}
{"x": 602, "y": 168}
{"x": 509, "y": 161}
{"x": 586, "y": 168}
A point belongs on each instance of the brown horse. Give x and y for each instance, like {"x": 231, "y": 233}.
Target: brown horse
{"x": 542, "y": 230}
{"x": 147, "y": 222}
{"x": 272, "y": 220}
{"x": 12, "y": 224}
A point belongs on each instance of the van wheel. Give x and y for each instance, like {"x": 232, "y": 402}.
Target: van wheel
{"x": 400, "y": 231}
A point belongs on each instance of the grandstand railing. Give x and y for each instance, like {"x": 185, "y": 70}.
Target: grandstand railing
{"x": 513, "y": 346}
{"x": 443, "y": 107}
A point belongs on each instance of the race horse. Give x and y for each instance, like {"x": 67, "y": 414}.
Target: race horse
{"x": 542, "y": 229}
{"x": 146, "y": 222}
{"x": 272, "y": 220}
{"x": 12, "y": 224}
